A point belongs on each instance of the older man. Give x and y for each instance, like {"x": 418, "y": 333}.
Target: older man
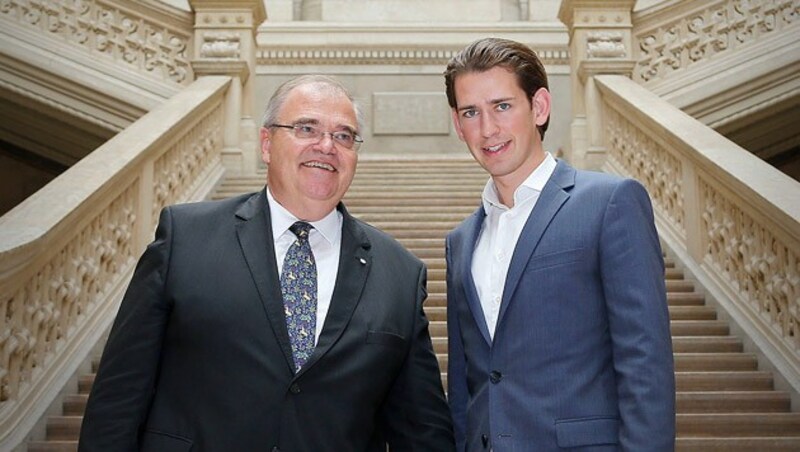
{"x": 274, "y": 320}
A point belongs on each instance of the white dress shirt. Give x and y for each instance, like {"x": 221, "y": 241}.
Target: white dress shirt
{"x": 326, "y": 243}
{"x": 499, "y": 235}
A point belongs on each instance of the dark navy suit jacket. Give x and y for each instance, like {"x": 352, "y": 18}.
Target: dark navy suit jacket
{"x": 199, "y": 356}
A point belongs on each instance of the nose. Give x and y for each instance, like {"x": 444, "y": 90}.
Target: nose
{"x": 326, "y": 143}
{"x": 488, "y": 125}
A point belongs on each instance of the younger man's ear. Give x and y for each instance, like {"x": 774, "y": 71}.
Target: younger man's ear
{"x": 541, "y": 105}
{"x": 457, "y": 123}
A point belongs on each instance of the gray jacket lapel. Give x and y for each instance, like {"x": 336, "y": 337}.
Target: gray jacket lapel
{"x": 472, "y": 227}
{"x": 553, "y": 196}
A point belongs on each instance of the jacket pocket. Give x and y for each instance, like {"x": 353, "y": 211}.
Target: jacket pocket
{"x": 587, "y": 431}
{"x": 550, "y": 260}
{"x": 385, "y": 338}
{"x": 154, "y": 441}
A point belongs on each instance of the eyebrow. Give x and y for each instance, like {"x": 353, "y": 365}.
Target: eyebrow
{"x": 492, "y": 102}
{"x": 304, "y": 120}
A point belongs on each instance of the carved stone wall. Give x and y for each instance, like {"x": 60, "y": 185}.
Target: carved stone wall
{"x": 697, "y": 31}
{"x": 386, "y": 66}
{"x": 115, "y": 30}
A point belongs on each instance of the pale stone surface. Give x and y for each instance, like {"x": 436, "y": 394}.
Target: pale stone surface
{"x": 410, "y": 113}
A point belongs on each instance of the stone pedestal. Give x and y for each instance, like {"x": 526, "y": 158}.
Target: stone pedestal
{"x": 600, "y": 43}
{"x": 225, "y": 44}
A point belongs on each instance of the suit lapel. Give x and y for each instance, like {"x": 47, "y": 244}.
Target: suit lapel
{"x": 355, "y": 261}
{"x": 553, "y": 196}
{"x": 254, "y": 231}
{"x": 472, "y": 227}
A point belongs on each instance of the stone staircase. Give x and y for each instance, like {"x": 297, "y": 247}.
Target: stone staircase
{"x": 724, "y": 402}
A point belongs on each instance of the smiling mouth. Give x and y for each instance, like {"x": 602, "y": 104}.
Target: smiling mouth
{"x": 496, "y": 148}
{"x": 319, "y": 165}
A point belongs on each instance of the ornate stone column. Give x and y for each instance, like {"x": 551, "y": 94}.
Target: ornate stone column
{"x": 225, "y": 44}
{"x": 600, "y": 43}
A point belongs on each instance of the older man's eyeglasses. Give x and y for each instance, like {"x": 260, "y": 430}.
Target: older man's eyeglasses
{"x": 344, "y": 138}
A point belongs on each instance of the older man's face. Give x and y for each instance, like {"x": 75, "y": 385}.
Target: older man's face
{"x": 310, "y": 175}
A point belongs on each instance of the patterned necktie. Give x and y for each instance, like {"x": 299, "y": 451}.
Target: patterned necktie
{"x": 299, "y": 288}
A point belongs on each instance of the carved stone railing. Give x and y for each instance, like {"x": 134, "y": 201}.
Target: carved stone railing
{"x": 146, "y": 36}
{"x": 678, "y": 35}
{"x": 731, "y": 218}
{"x": 68, "y": 251}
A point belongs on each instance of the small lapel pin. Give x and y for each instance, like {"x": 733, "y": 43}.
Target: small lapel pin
{"x": 363, "y": 261}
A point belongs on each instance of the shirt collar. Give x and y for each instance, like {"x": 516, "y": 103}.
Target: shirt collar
{"x": 330, "y": 226}
{"x": 533, "y": 184}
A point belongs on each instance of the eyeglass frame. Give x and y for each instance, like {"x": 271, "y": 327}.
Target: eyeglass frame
{"x": 357, "y": 139}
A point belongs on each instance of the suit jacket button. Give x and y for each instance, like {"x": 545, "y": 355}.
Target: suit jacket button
{"x": 485, "y": 441}
{"x": 495, "y": 377}
{"x": 294, "y": 388}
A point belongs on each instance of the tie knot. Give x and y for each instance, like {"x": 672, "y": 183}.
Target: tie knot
{"x": 300, "y": 229}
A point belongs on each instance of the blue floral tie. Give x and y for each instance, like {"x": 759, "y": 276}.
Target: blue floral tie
{"x": 299, "y": 288}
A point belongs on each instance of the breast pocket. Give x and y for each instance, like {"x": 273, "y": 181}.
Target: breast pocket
{"x": 550, "y": 260}
{"x": 387, "y": 339}
{"x": 154, "y": 441}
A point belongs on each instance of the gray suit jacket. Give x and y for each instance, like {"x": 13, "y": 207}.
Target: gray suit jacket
{"x": 199, "y": 356}
{"x": 582, "y": 353}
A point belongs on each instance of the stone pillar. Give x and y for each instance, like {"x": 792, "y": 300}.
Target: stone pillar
{"x": 225, "y": 44}
{"x": 600, "y": 43}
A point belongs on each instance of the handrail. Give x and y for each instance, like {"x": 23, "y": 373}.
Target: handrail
{"x": 68, "y": 251}
{"x": 734, "y": 219}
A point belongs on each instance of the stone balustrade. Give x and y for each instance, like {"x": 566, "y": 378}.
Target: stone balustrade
{"x": 68, "y": 251}
{"x": 731, "y": 217}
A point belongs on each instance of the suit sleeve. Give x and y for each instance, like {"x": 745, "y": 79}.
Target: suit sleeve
{"x": 456, "y": 364}
{"x": 125, "y": 381}
{"x": 415, "y": 415}
{"x": 632, "y": 269}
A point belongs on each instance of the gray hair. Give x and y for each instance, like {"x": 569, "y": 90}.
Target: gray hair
{"x": 279, "y": 97}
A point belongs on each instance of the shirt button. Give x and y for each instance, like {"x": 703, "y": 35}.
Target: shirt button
{"x": 495, "y": 377}
{"x": 294, "y": 388}
{"x": 497, "y": 299}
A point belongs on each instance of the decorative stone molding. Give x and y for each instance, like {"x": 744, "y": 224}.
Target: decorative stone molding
{"x": 605, "y": 44}
{"x": 123, "y": 32}
{"x": 42, "y": 312}
{"x": 177, "y": 171}
{"x": 630, "y": 147}
{"x": 756, "y": 263}
{"x": 394, "y": 55}
{"x": 691, "y": 32}
{"x": 224, "y": 19}
{"x": 220, "y": 44}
